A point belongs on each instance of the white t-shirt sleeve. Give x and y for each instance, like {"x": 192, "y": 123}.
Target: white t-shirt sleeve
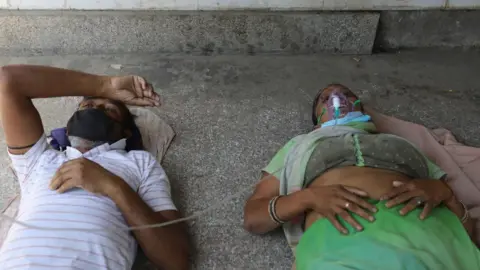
{"x": 155, "y": 188}
{"x": 23, "y": 165}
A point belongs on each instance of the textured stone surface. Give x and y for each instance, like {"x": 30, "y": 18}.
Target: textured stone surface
{"x": 236, "y": 5}
{"x": 205, "y": 33}
{"x": 232, "y": 113}
{"x": 428, "y": 29}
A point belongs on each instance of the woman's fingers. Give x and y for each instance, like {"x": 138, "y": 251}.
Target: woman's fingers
{"x": 333, "y": 219}
{"x": 395, "y": 192}
{"x": 349, "y": 219}
{"x": 354, "y": 208}
{"x": 426, "y": 210}
{"x": 410, "y": 206}
{"x": 403, "y": 197}
{"x": 356, "y": 191}
{"x": 357, "y": 200}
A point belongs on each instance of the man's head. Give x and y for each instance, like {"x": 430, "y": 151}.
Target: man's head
{"x": 320, "y": 110}
{"x": 100, "y": 120}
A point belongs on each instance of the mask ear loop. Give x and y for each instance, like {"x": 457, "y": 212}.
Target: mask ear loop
{"x": 357, "y": 102}
{"x": 319, "y": 118}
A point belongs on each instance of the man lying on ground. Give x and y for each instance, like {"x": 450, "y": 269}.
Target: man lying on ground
{"x": 104, "y": 179}
{"x": 352, "y": 198}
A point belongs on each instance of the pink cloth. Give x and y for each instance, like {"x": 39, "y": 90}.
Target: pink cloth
{"x": 460, "y": 162}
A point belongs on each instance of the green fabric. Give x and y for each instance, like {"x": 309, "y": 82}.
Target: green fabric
{"x": 358, "y": 152}
{"x": 365, "y": 126}
{"x": 434, "y": 170}
{"x": 391, "y": 242}
{"x": 277, "y": 162}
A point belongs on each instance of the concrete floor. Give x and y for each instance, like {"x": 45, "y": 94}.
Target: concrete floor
{"x": 231, "y": 113}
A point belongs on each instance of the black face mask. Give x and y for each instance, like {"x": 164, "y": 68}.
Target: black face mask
{"x": 94, "y": 125}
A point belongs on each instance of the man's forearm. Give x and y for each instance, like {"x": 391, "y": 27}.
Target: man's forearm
{"x": 167, "y": 247}
{"x": 43, "y": 82}
{"x": 257, "y": 218}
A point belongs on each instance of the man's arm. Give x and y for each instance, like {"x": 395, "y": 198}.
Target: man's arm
{"x": 20, "y": 84}
{"x": 167, "y": 247}
{"x": 256, "y": 217}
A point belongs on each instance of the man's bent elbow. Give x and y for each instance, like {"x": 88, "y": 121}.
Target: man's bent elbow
{"x": 5, "y": 79}
{"x": 181, "y": 261}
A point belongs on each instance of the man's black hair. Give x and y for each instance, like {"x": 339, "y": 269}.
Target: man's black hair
{"x": 134, "y": 142}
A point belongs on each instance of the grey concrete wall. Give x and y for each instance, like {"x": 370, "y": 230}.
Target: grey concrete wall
{"x": 238, "y": 4}
{"x": 207, "y": 33}
{"x": 428, "y": 29}
{"x": 77, "y": 32}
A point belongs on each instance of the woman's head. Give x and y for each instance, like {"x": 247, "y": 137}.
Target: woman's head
{"x": 320, "y": 112}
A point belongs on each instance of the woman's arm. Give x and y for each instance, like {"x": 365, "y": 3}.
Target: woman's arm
{"x": 328, "y": 201}
{"x": 462, "y": 213}
{"x": 256, "y": 217}
{"x": 432, "y": 193}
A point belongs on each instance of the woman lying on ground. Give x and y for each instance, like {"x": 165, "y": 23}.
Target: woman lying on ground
{"x": 351, "y": 198}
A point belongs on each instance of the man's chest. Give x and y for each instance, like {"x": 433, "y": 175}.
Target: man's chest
{"x": 44, "y": 171}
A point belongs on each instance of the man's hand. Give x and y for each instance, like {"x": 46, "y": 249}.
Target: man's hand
{"x": 85, "y": 174}
{"x": 132, "y": 90}
{"x": 330, "y": 201}
{"x": 429, "y": 192}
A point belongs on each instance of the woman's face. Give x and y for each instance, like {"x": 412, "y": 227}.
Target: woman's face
{"x": 324, "y": 97}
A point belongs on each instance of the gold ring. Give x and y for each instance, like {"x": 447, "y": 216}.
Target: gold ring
{"x": 419, "y": 201}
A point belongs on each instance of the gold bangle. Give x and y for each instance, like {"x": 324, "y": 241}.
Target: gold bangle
{"x": 272, "y": 211}
{"x": 466, "y": 215}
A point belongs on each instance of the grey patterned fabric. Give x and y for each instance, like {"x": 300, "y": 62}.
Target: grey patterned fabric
{"x": 383, "y": 151}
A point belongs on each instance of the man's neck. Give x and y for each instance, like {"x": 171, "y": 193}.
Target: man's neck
{"x": 83, "y": 145}
{"x": 82, "y": 150}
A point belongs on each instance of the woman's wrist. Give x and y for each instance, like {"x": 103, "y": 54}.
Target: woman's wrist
{"x": 290, "y": 206}
{"x": 457, "y": 207}
{"x": 305, "y": 199}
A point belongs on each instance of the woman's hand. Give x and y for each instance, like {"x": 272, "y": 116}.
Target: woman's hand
{"x": 427, "y": 192}
{"x": 132, "y": 90}
{"x": 330, "y": 201}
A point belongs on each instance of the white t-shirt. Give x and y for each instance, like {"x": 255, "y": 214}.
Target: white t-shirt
{"x": 26, "y": 248}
